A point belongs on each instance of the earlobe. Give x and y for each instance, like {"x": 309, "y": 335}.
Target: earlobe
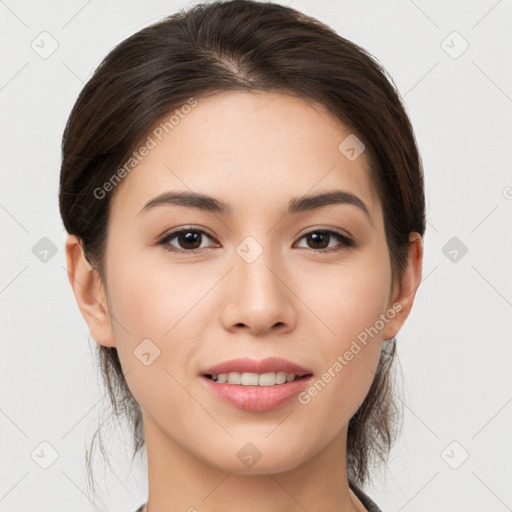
{"x": 407, "y": 287}
{"x": 89, "y": 293}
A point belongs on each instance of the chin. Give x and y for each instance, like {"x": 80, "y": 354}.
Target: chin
{"x": 254, "y": 459}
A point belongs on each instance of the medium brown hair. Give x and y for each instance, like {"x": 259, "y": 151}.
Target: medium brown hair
{"x": 248, "y": 46}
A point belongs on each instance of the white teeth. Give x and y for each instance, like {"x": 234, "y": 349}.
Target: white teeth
{"x": 280, "y": 377}
{"x": 267, "y": 379}
{"x": 254, "y": 379}
{"x": 250, "y": 379}
{"x": 234, "y": 378}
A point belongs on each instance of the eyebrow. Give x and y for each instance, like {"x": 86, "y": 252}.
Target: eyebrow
{"x": 297, "y": 205}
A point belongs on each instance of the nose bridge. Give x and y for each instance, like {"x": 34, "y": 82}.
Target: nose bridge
{"x": 259, "y": 298}
{"x": 253, "y": 270}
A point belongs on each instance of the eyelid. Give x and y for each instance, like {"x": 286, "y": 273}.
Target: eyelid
{"x": 339, "y": 231}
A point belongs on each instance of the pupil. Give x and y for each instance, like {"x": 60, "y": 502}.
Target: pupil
{"x": 189, "y": 238}
{"x": 315, "y": 238}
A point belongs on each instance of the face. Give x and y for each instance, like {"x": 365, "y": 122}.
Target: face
{"x": 270, "y": 275}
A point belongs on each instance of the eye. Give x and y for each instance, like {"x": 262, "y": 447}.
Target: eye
{"x": 188, "y": 240}
{"x": 320, "y": 240}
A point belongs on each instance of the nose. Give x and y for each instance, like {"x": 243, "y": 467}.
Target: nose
{"x": 259, "y": 297}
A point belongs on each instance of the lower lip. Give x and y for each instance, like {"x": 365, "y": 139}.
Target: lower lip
{"x": 257, "y": 398}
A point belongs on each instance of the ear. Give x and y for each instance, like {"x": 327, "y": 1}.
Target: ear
{"x": 405, "y": 291}
{"x": 89, "y": 293}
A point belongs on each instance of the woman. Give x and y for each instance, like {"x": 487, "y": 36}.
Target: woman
{"x": 244, "y": 200}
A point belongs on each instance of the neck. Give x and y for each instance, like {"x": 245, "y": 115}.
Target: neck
{"x": 179, "y": 480}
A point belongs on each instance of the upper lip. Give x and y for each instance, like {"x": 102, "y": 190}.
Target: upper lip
{"x": 247, "y": 365}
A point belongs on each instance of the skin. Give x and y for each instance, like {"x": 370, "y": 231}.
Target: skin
{"x": 255, "y": 151}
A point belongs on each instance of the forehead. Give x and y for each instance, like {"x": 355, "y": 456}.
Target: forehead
{"x": 248, "y": 148}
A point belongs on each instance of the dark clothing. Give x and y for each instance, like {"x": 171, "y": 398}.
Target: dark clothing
{"x": 365, "y": 499}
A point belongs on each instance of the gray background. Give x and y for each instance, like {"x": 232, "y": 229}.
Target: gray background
{"x": 455, "y": 349}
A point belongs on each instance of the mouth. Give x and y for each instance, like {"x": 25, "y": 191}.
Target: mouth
{"x": 254, "y": 385}
{"x": 266, "y": 395}
{"x": 267, "y": 379}
{"x": 271, "y": 371}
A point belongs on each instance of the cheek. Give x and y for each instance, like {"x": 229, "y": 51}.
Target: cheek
{"x": 154, "y": 336}
{"x": 347, "y": 297}
{"x": 155, "y": 301}
{"x": 160, "y": 311}
{"x": 349, "y": 305}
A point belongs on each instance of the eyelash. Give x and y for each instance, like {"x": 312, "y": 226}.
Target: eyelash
{"x": 346, "y": 242}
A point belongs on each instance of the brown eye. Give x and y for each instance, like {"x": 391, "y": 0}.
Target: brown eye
{"x": 319, "y": 241}
{"x": 186, "y": 240}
